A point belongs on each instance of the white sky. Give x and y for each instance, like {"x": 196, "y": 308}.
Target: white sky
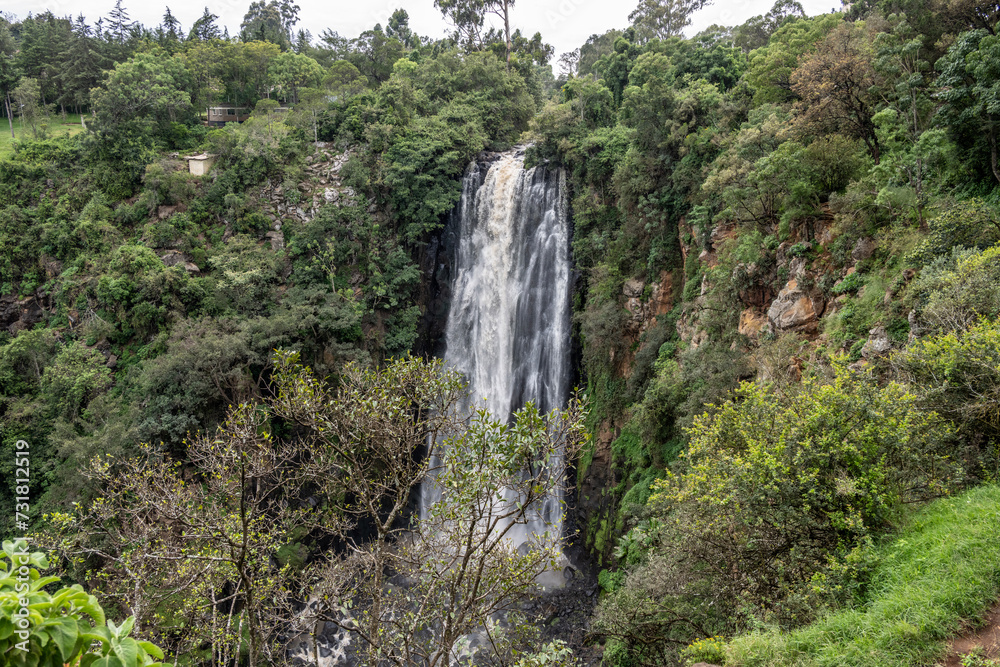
{"x": 566, "y": 24}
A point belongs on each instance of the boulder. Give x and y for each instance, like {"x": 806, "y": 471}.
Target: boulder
{"x": 795, "y": 310}
{"x": 877, "y": 345}
{"x": 19, "y": 315}
{"x": 172, "y": 258}
{"x": 277, "y": 240}
{"x": 863, "y": 249}
{"x": 633, "y": 288}
{"x": 752, "y": 323}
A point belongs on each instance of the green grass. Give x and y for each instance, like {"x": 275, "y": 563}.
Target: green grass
{"x": 56, "y": 128}
{"x": 941, "y": 570}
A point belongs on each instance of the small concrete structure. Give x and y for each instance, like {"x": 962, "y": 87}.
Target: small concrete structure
{"x": 227, "y": 113}
{"x": 199, "y": 165}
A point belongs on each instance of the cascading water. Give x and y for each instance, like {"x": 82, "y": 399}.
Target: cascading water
{"x": 508, "y": 327}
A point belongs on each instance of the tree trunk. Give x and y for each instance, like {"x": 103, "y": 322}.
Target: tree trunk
{"x": 506, "y": 29}
{"x": 993, "y": 153}
{"x": 10, "y": 116}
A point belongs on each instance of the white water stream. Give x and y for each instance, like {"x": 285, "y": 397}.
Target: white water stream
{"x": 508, "y": 328}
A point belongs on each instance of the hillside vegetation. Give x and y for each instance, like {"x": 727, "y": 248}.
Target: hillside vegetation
{"x": 788, "y": 315}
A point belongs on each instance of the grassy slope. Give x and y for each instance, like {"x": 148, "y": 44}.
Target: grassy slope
{"x": 56, "y": 129}
{"x": 939, "y": 571}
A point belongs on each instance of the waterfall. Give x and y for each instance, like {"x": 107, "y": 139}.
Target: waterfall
{"x": 508, "y": 328}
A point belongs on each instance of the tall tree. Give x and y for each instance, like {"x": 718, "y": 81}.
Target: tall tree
{"x": 659, "y": 19}
{"x": 568, "y": 63}
{"x": 469, "y": 16}
{"x": 205, "y": 28}
{"x": 374, "y": 54}
{"x": 758, "y": 30}
{"x": 8, "y": 72}
{"x": 86, "y": 65}
{"x": 120, "y": 24}
{"x": 170, "y": 30}
{"x": 837, "y": 86}
{"x": 27, "y": 101}
{"x": 399, "y": 27}
{"x": 969, "y": 86}
{"x": 43, "y": 39}
{"x": 270, "y": 22}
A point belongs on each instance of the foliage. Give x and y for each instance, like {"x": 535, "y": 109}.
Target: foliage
{"x": 836, "y": 86}
{"x": 770, "y": 488}
{"x": 710, "y": 650}
{"x": 933, "y": 576}
{"x": 954, "y": 291}
{"x": 971, "y": 223}
{"x": 957, "y": 375}
{"x": 40, "y": 628}
{"x": 771, "y": 66}
{"x": 663, "y": 18}
{"x": 969, "y": 89}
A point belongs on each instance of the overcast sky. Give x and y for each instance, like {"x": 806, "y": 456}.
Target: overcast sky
{"x": 565, "y": 24}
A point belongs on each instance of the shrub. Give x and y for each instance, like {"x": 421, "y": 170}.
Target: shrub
{"x": 941, "y": 572}
{"x": 61, "y": 627}
{"x": 967, "y": 224}
{"x": 773, "y": 490}
{"x": 954, "y": 292}
{"x": 959, "y": 375}
{"x": 771, "y": 486}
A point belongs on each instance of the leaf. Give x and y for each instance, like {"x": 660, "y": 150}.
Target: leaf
{"x": 64, "y": 632}
{"x": 128, "y": 651}
{"x": 108, "y": 661}
{"x": 126, "y": 627}
{"x": 151, "y": 648}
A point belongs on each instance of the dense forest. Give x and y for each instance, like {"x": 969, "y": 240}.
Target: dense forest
{"x": 786, "y": 440}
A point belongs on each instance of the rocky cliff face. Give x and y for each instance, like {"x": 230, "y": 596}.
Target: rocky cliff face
{"x": 794, "y": 291}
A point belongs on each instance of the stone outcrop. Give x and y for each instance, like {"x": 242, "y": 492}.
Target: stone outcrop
{"x": 753, "y": 323}
{"x": 877, "y": 345}
{"x": 177, "y": 258}
{"x": 20, "y": 314}
{"x": 321, "y": 186}
{"x": 795, "y": 309}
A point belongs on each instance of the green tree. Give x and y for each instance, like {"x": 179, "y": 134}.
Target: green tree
{"x": 8, "y": 71}
{"x": 399, "y": 27}
{"x": 375, "y": 53}
{"x": 289, "y": 72}
{"x": 838, "y": 85}
{"x": 75, "y": 377}
{"x": 772, "y": 487}
{"x": 120, "y": 24}
{"x": 169, "y": 33}
{"x": 205, "y": 28}
{"x": 969, "y": 87}
{"x": 85, "y": 73}
{"x": 771, "y": 66}
{"x": 270, "y": 22}
{"x": 343, "y": 80}
{"x": 146, "y": 91}
{"x": 659, "y": 19}
{"x": 61, "y": 627}
{"x": 27, "y": 98}
{"x": 44, "y": 38}
{"x": 757, "y": 31}
{"x": 468, "y": 17}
